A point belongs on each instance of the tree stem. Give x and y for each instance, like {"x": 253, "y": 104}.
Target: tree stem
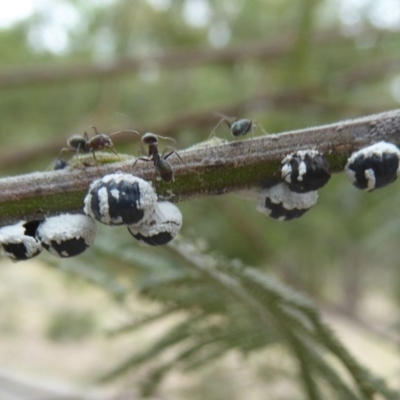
{"x": 208, "y": 168}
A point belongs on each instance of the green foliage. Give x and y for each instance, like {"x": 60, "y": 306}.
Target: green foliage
{"x": 70, "y": 325}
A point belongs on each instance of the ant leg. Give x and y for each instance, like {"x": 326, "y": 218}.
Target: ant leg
{"x": 62, "y": 151}
{"x": 140, "y": 158}
{"x": 223, "y": 119}
{"x": 94, "y": 156}
{"x": 173, "y": 152}
{"x": 113, "y": 150}
{"x": 257, "y": 125}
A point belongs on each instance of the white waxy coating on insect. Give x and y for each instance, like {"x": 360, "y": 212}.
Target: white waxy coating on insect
{"x": 280, "y": 193}
{"x": 115, "y": 193}
{"x": 166, "y": 218}
{"x": 286, "y": 168}
{"x": 102, "y": 194}
{"x": 370, "y": 177}
{"x": 302, "y": 170}
{"x": 64, "y": 227}
{"x": 15, "y": 234}
{"x": 377, "y": 149}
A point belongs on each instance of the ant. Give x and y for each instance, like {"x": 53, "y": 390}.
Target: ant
{"x": 100, "y": 141}
{"x": 163, "y": 167}
{"x": 238, "y": 127}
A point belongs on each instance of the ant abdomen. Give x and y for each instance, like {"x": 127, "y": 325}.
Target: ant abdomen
{"x": 241, "y": 127}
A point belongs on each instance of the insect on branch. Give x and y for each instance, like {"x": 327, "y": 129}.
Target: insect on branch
{"x": 208, "y": 168}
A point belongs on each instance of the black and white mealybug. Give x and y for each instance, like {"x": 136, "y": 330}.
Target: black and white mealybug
{"x": 374, "y": 166}
{"x": 67, "y": 235}
{"x": 305, "y": 171}
{"x": 161, "y": 228}
{"x": 19, "y": 241}
{"x": 120, "y": 199}
{"x": 279, "y": 202}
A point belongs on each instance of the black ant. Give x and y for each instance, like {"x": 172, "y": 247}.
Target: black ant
{"x": 163, "y": 167}
{"x": 100, "y": 141}
{"x": 238, "y": 127}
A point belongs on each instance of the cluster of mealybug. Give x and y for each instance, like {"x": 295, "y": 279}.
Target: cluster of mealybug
{"x": 64, "y": 235}
{"x": 115, "y": 199}
{"x": 124, "y": 199}
{"x": 373, "y": 167}
{"x": 303, "y": 173}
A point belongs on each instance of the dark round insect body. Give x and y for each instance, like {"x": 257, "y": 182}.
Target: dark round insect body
{"x": 305, "y": 171}
{"x": 19, "y": 241}
{"x": 79, "y": 144}
{"x": 67, "y": 235}
{"x": 161, "y": 227}
{"x": 60, "y": 164}
{"x": 241, "y": 127}
{"x": 280, "y": 203}
{"x": 165, "y": 170}
{"x": 237, "y": 127}
{"x": 373, "y": 167}
{"x": 120, "y": 199}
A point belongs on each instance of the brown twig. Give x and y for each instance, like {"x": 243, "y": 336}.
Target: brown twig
{"x": 205, "y": 170}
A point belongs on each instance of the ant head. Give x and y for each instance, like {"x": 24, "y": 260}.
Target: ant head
{"x": 150, "y": 139}
{"x": 104, "y": 141}
{"x": 241, "y": 127}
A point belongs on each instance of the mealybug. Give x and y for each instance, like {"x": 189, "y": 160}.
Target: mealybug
{"x": 67, "y": 235}
{"x": 120, "y": 199}
{"x": 19, "y": 241}
{"x": 161, "y": 228}
{"x": 305, "y": 171}
{"x": 279, "y": 202}
{"x": 374, "y": 166}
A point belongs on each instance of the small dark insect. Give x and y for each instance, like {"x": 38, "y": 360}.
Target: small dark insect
{"x": 162, "y": 166}
{"x": 84, "y": 144}
{"x": 60, "y": 164}
{"x": 238, "y": 127}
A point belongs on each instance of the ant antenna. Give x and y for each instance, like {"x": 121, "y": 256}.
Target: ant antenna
{"x": 128, "y": 131}
{"x": 95, "y": 129}
{"x": 223, "y": 118}
{"x": 127, "y": 119}
{"x": 166, "y": 138}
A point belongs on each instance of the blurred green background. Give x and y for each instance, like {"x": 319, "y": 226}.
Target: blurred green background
{"x": 167, "y": 66}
